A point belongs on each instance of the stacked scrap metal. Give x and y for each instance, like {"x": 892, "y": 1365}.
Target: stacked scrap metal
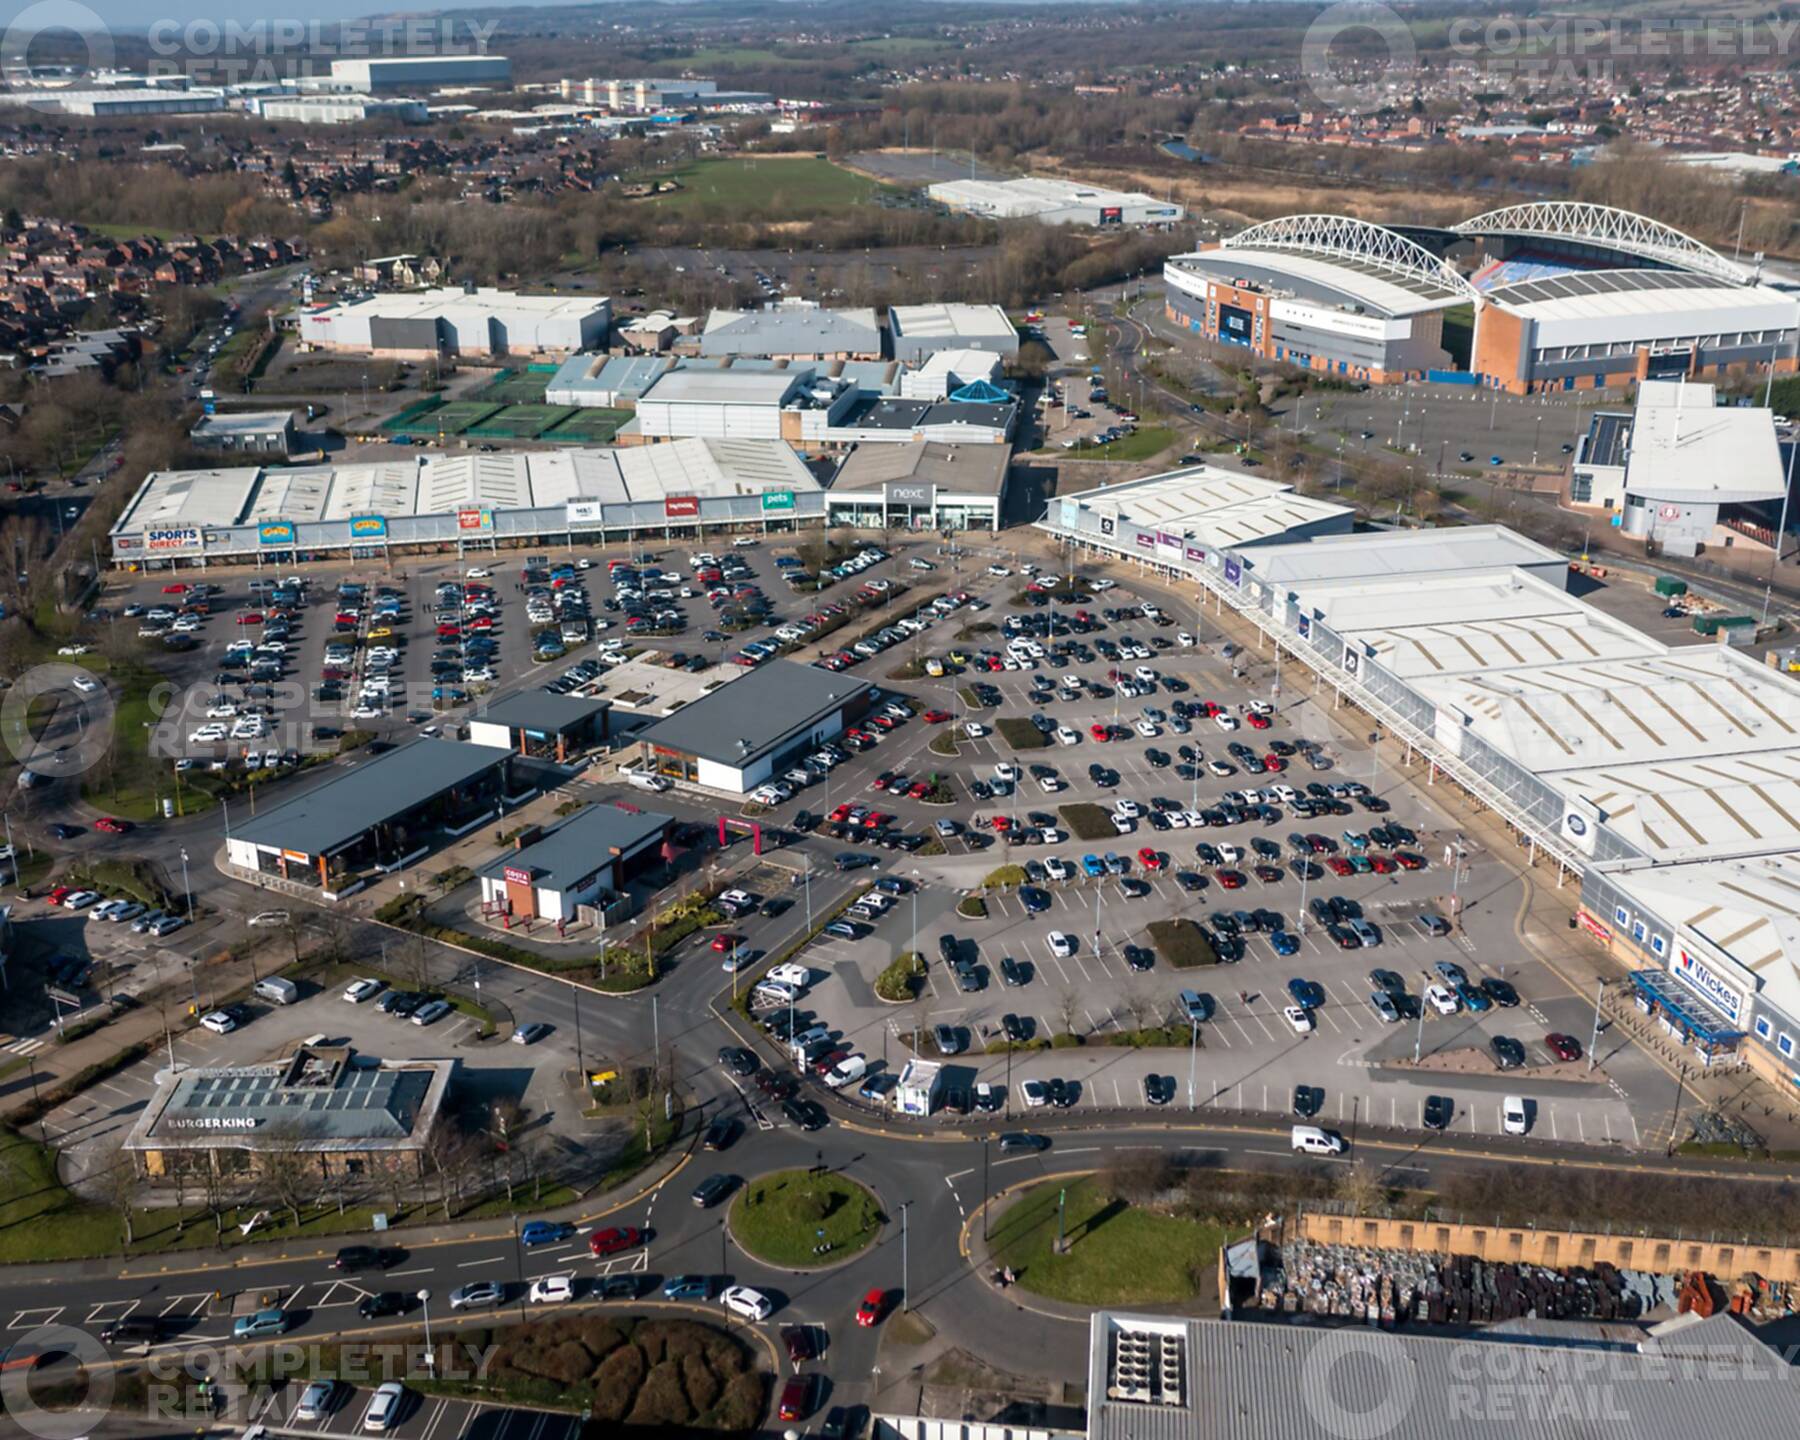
{"x": 1387, "y": 1286}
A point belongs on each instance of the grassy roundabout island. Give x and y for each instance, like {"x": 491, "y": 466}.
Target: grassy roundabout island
{"x": 778, "y": 1218}
{"x": 1118, "y": 1253}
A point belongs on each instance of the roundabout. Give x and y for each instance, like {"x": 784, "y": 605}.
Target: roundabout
{"x": 805, "y": 1219}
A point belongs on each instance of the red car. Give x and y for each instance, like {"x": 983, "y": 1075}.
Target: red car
{"x": 1409, "y": 861}
{"x": 1257, "y": 722}
{"x": 919, "y": 789}
{"x": 1229, "y": 879}
{"x": 112, "y": 826}
{"x": 856, "y": 733}
{"x": 726, "y": 940}
{"x": 841, "y": 814}
{"x": 936, "y": 717}
{"x": 1001, "y": 824}
{"x": 883, "y": 722}
{"x": 875, "y": 819}
{"x": 614, "y": 1239}
{"x": 1563, "y": 1047}
{"x": 1338, "y": 865}
{"x": 1149, "y": 859}
{"x": 175, "y": 589}
{"x": 1100, "y": 732}
{"x": 1383, "y": 864}
{"x": 250, "y": 617}
{"x": 1269, "y": 874}
{"x": 873, "y": 1307}
{"x": 56, "y": 896}
{"x": 797, "y": 1397}
{"x": 1273, "y": 763}
{"x": 883, "y": 780}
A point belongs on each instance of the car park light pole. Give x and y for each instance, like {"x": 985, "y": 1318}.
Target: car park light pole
{"x": 430, "y": 1354}
{"x": 905, "y": 1298}
{"x": 1193, "y": 1056}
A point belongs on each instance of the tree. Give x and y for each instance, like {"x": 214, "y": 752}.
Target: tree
{"x": 1067, "y": 1008}
{"x": 288, "y": 1173}
{"x": 1359, "y": 1187}
{"x": 120, "y": 1187}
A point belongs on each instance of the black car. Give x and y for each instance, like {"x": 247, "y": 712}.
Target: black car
{"x": 64, "y": 832}
{"x": 739, "y": 1061}
{"x": 384, "y": 1303}
{"x": 1509, "y": 1054}
{"x": 1309, "y": 1100}
{"x": 1189, "y": 881}
{"x": 352, "y": 1258}
{"x": 1140, "y": 958}
{"x": 1500, "y": 992}
{"x": 1017, "y": 1029}
{"x": 714, "y": 1188}
{"x": 1438, "y": 1110}
{"x": 719, "y": 1135}
{"x": 806, "y": 1114}
{"x": 620, "y": 1287}
{"x": 1386, "y": 980}
{"x": 1159, "y": 1089}
{"x": 779, "y": 905}
{"x": 850, "y": 860}
{"x": 1019, "y": 1142}
{"x": 1035, "y": 901}
{"x": 1063, "y": 1093}
{"x": 1013, "y": 973}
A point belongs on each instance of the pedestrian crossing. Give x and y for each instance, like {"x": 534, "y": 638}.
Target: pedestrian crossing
{"x": 23, "y": 1045}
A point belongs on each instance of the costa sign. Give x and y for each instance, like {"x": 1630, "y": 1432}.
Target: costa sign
{"x": 681, "y": 507}
{"x": 517, "y": 875}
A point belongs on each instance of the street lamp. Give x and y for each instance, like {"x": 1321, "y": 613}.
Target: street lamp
{"x": 904, "y": 1297}
{"x": 430, "y": 1354}
{"x": 187, "y": 889}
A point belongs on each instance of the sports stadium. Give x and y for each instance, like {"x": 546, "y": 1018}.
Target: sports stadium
{"x": 1552, "y": 295}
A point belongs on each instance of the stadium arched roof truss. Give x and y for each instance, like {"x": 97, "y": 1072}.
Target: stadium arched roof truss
{"x": 1602, "y": 225}
{"x": 1341, "y": 237}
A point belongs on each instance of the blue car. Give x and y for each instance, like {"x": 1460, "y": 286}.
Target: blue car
{"x": 544, "y": 1232}
{"x": 1307, "y": 994}
{"x": 1477, "y": 1000}
{"x": 1092, "y": 865}
{"x": 687, "y": 1287}
{"x": 1284, "y": 943}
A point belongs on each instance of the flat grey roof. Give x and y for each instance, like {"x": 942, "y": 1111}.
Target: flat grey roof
{"x": 790, "y": 330}
{"x": 582, "y": 843}
{"x": 540, "y": 710}
{"x": 1260, "y": 1380}
{"x": 243, "y": 422}
{"x": 740, "y": 721}
{"x": 363, "y": 794}
{"x": 960, "y": 469}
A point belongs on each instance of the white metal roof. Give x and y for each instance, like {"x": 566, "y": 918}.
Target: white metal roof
{"x": 1371, "y": 287}
{"x": 1684, "y": 448}
{"x": 1210, "y": 506}
{"x": 190, "y": 497}
{"x": 292, "y": 495}
{"x": 456, "y": 482}
{"x": 1408, "y": 553}
{"x": 725, "y": 387}
{"x": 951, "y": 322}
{"x": 385, "y": 487}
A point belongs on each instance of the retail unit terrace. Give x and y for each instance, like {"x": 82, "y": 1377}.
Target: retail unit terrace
{"x": 1667, "y": 779}
{"x": 436, "y": 501}
{"x": 375, "y": 815}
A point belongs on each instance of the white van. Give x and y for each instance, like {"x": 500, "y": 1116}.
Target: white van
{"x": 644, "y": 780}
{"x": 1513, "y": 1117}
{"x": 277, "y": 991}
{"x": 1311, "y": 1140}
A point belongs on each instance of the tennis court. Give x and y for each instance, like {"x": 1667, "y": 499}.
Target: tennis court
{"x": 515, "y": 387}
{"x": 519, "y": 422}
{"x": 449, "y": 419}
{"x": 587, "y": 427}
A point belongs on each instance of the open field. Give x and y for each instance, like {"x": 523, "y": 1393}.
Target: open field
{"x": 789, "y": 187}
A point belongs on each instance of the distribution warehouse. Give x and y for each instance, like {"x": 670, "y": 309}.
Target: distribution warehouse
{"x": 459, "y": 321}
{"x": 1560, "y": 296}
{"x": 1054, "y": 202}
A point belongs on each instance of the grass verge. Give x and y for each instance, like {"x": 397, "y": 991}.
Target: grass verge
{"x": 1181, "y": 943}
{"x": 1087, "y": 822}
{"x": 1020, "y": 733}
{"x": 1117, "y": 1254}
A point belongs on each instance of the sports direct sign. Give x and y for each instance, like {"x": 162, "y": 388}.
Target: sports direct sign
{"x": 179, "y": 537}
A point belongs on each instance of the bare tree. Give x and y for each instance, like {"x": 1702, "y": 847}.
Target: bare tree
{"x": 288, "y": 1174}
{"x": 120, "y": 1187}
{"x": 1359, "y": 1187}
{"x": 1067, "y": 1008}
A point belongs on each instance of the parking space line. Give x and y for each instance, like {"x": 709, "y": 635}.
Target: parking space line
{"x": 31, "y": 1319}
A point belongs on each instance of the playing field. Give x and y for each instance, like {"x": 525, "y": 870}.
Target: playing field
{"x": 450, "y": 419}
{"x": 515, "y": 387}
{"x": 588, "y": 427}
{"x": 792, "y": 188}
{"x": 520, "y": 422}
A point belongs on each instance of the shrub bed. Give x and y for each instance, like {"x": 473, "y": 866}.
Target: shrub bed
{"x": 901, "y": 980}
{"x": 972, "y": 907}
{"x": 1005, "y": 877}
{"x": 1181, "y": 943}
{"x": 1020, "y": 733}
{"x": 1087, "y": 822}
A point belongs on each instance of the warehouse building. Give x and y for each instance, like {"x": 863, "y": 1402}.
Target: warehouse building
{"x": 455, "y": 320}
{"x": 917, "y": 332}
{"x": 610, "y": 382}
{"x": 420, "y": 72}
{"x": 742, "y": 734}
{"x": 350, "y": 1117}
{"x": 945, "y": 372}
{"x": 373, "y": 815}
{"x": 921, "y": 485}
{"x": 1183, "y": 522}
{"x": 541, "y": 725}
{"x": 1323, "y": 292}
{"x": 792, "y": 330}
{"x": 119, "y": 104}
{"x": 270, "y": 431}
{"x": 581, "y": 862}
{"x": 459, "y": 502}
{"x": 1165, "y": 1377}
{"x": 339, "y": 109}
{"x": 1054, "y": 202}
